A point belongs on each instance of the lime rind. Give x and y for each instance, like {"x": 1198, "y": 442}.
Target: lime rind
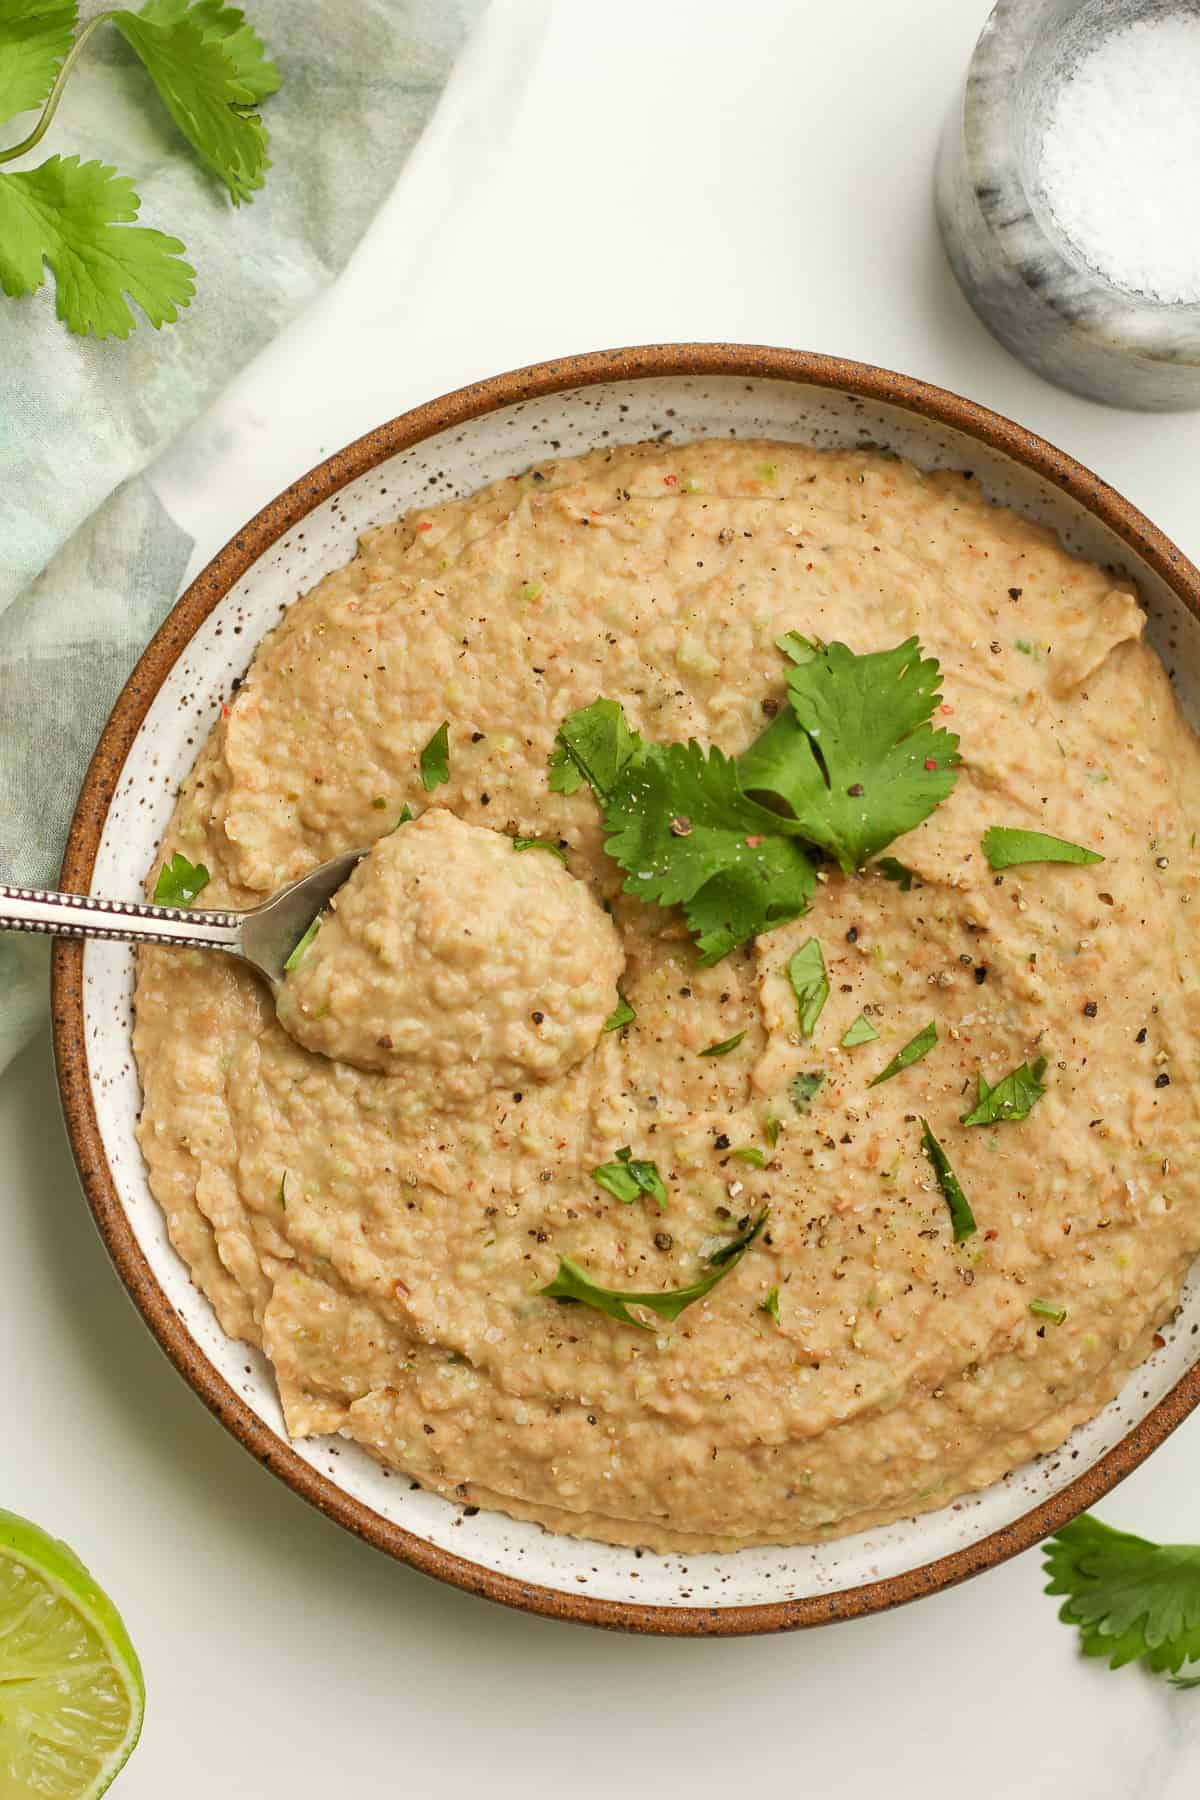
{"x": 60, "y": 1604}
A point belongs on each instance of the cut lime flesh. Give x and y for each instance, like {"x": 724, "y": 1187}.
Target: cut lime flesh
{"x": 71, "y": 1690}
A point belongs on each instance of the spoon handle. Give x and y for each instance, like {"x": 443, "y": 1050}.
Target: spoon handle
{"x": 132, "y": 921}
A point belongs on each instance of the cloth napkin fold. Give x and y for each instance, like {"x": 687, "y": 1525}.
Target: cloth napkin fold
{"x": 89, "y": 560}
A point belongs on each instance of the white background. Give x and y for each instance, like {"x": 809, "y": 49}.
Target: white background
{"x": 645, "y": 169}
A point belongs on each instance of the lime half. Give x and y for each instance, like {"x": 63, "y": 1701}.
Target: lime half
{"x": 71, "y": 1690}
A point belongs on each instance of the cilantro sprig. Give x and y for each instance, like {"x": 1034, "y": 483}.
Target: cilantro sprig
{"x": 1133, "y": 1600}
{"x": 211, "y": 73}
{"x": 575, "y": 1284}
{"x": 629, "y": 1177}
{"x": 849, "y": 765}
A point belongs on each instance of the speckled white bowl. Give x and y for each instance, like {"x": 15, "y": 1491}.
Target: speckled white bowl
{"x": 447, "y": 448}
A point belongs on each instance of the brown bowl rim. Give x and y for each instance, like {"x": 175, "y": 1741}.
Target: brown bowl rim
{"x": 758, "y": 362}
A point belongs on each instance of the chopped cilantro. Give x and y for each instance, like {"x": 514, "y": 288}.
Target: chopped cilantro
{"x": 810, "y": 984}
{"x": 282, "y": 1196}
{"x": 861, "y": 1032}
{"x": 406, "y": 813}
{"x": 961, "y": 1216}
{"x": 540, "y": 844}
{"x": 1013, "y": 1097}
{"x": 302, "y": 946}
{"x": 1132, "y": 1600}
{"x": 805, "y": 1088}
{"x": 1005, "y": 848}
{"x": 749, "y": 1153}
{"x": 771, "y": 1305}
{"x": 912, "y": 1053}
{"x": 725, "y": 1046}
{"x": 771, "y": 1126}
{"x": 897, "y": 872}
{"x": 574, "y": 1284}
{"x": 1046, "y": 1309}
{"x": 435, "y": 759}
{"x": 594, "y": 744}
{"x": 621, "y": 1014}
{"x": 179, "y": 881}
{"x": 628, "y": 1178}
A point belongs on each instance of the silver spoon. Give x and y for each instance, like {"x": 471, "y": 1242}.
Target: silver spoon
{"x": 264, "y": 937}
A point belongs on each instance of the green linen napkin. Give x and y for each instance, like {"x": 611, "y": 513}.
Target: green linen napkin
{"x": 89, "y": 561}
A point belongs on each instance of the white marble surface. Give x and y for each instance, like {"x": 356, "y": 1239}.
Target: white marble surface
{"x": 652, "y": 169}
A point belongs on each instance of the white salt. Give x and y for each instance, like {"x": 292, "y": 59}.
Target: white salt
{"x": 1120, "y": 157}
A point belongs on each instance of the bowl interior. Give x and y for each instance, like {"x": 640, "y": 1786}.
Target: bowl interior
{"x": 454, "y": 461}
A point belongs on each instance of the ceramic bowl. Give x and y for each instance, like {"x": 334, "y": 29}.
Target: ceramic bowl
{"x": 449, "y": 447}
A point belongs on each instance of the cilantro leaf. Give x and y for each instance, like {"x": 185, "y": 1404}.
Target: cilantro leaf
{"x": 771, "y": 1126}
{"x": 810, "y": 984}
{"x": 435, "y": 759}
{"x": 627, "y": 1178}
{"x": 771, "y": 1305}
{"x": 897, "y": 872}
{"x": 751, "y": 1154}
{"x": 540, "y": 844}
{"x": 861, "y": 1032}
{"x": 912, "y": 1052}
{"x": 593, "y": 745}
{"x": 35, "y": 35}
{"x": 574, "y": 1284}
{"x": 256, "y": 72}
{"x": 622, "y": 1014}
{"x": 805, "y": 1087}
{"x": 1006, "y": 847}
{"x": 1013, "y": 1097}
{"x": 179, "y": 881}
{"x": 854, "y": 758}
{"x": 210, "y": 72}
{"x": 75, "y": 217}
{"x": 961, "y": 1216}
{"x": 725, "y": 1046}
{"x": 683, "y": 831}
{"x": 1046, "y": 1309}
{"x": 1131, "y": 1599}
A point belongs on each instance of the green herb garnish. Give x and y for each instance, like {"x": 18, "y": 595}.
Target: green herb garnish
{"x": 771, "y": 1305}
{"x": 435, "y": 759}
{"x": 210, "y": 71}
{"x": 621, "y": 1014}
{"x": 861, "y": 1032}
{"x": 912, "y": 1053}
{"x": 574, "y": 1284}
{"x": 725, "y": 1046}
{"x": 1013, "y": 1097}
{"x": 810, "y": 984}
{"x": 282, "y": 1196}
{"x": 854, "y": 757}
{"x": 1132, "y": 1600}
{"x": 961, "y": 1216}
{"x": 896, "y": 871}
{"x": 1046, "y": 1309}
{"x": 805, "y": 1087}
{"x": 749, "y": 1153}
{"x": 302, "y": 946}
{"x": 796, "y": 647}
{"x": 628, "y": 1178}
{"x": 179, "y": 881}
{"x": 406, "y": 814}
{"x": 541, "y": 844}
{"x": 1005, "y": 848}
{"x": 850, "y": 764}
{"x": 771, "y": 1126}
